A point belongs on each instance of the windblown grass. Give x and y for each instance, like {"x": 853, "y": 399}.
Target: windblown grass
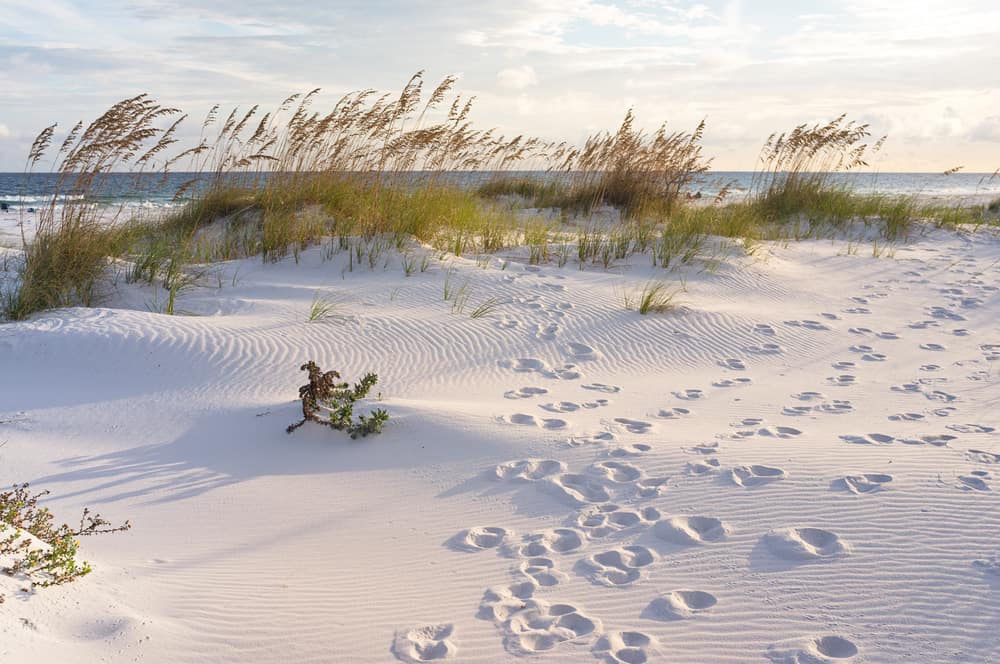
{"x": 376, "y": 172}
{"x": 655, "y": 297}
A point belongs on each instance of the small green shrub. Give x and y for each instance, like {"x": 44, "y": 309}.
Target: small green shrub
{"x": 324, "y": 393}
{"x": 31, "y": 543}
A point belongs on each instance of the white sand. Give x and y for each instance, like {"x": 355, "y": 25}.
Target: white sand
{"x": 800, "y": 466}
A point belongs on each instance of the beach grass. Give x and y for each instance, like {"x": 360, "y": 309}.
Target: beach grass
{"x": 378, "y": 172}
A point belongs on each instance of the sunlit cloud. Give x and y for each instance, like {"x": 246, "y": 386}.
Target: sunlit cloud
{"x": 557, "y": 69}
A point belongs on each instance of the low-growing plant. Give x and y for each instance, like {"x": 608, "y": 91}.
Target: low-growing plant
{"x": 32, "y": 544}
{"x": 324, "y": 307}
{"x": 324, "y": 394}
{"x": 486, "y": 308}
{"x": 654, "y": 298}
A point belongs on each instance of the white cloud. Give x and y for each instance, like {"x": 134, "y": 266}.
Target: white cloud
{"x": 557, "y": 69}
{"x": 517, "y": 78}
{"x": 987, "y": 130}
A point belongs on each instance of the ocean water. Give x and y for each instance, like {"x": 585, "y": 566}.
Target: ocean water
{"x": 19, "y": 191}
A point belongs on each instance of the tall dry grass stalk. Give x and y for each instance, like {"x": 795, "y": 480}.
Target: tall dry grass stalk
{"x": 75, "y": 233}
{"x": 388, "y": 168}
{"x": 798, "y": 168}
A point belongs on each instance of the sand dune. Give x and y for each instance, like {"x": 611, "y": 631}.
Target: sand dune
{"x": 801, "y": 464}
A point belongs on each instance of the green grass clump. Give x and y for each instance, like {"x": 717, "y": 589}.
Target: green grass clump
{"x": 655, "y": 297}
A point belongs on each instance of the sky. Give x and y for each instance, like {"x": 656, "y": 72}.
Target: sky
{"x": 926, "y": 73}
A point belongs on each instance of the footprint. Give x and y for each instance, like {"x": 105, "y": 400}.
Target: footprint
{"x": 703, "y": 448}
{"x": 906, "y": 417}
{"x": 843, "y": 365}
{"x": 526, "y": 364}
{"x": 545, "y": 543}
{"x": 703, "y": 467}
{"x": 843, "y": 380}
{"x": 530, "y": 364}
{"x": 599, "y": 438}
{"x": 541, "y": 571}
{"x": 733, "y": 363}
{"x": 689, "y": 394}
{"x": 937, "y": 440}
{"x": 479, "y": 539}
{"x": 938, "y": 395}
{"x": 624, "y": 647}
{"x": 796, "y": 411}
{"x": 755, "y": 475}
{"x": 547, "y": 333}
{"x": 628, "y": 451}
{"x": 943, "y": 313}
{"x": 533, "y": 626}
{"x": 618, "y": 567}
{"x": 857, "y": 310}
{"x": 818, "y": 650}
{"x": 498, "y": 604}
{"x": 988, "y": 565}
{"x": 890, "y": 336}
{"x": 874, "y": 357}
{"x": 596, "y": 403}
{"x": 578, "y": 489}
{"x": 809, "y": 396}
{"x": 604, "y": 520}
{"x": 827, "y": 315}
{"x": 673, "y": 413}
{"x": 680, "y": 604}
{"x": 835, "y": 407}
{"x": 566, "y": 372}
{"x": 732, "y": 382}
{"x": 650, "y": 487}
{"x": 429, "y": 643}
{"x": 982, "y": 456}
{"x": 525, "y": 393}
{"x": 906, "y": 388}
{"x": 617, "y": 471}
{"x": 779, "y": 432}
{"x": 528, "y": 470}
{"x": 601, "y": 387}
{"x": 976, "y": 481}
{"x": 761, "y": 328}
{"x": 560, "y": 407}
{"x": 866, "y": 483}
{"x": 691, "y": 529}
{"x": 933, "y": 347}
{"x": 764, "y": 349}
{"x": 634, "y": 426}
{"x": 805, "y": 544}
{"x": 870, "y": 439}
{"x": 808, "y": 324}
{"x": 861, "y": 348}
{"x": 582, "y": 352}
{"x": 523, "y": 419}
{"x": 970, "y": 428}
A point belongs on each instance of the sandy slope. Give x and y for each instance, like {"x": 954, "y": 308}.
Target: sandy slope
{"x": 802, "y": 465}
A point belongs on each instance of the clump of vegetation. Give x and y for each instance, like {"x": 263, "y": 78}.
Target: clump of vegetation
{"x": 655, "y": 297}
{"x": 798, "y": 168}
{"x": 32, "y": 544}
{"x": 75, "y": 235}
{"x": 331, "y": 403}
